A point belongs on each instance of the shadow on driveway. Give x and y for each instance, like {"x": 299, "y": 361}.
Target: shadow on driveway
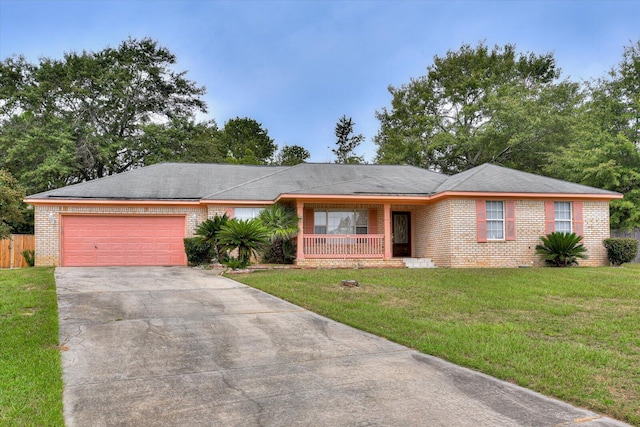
{"x": 177, "y": 346}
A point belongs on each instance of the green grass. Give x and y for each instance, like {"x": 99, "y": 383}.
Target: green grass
{"x": 573, "y": 334}
{"x": 30, "y": 371}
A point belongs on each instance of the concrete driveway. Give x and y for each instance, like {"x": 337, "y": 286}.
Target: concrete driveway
{"x": 174, "y": 346}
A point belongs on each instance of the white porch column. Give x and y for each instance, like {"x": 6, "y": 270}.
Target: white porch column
{"x": 300, "y": 237}
{"x": 387, "y": 231}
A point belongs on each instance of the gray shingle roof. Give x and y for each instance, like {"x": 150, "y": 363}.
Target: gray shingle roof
{"x": 333, "y": 179}
{"x": 165, "y": 181}
{"x": 188, "y": 181}
{"x": 493, "y": 178}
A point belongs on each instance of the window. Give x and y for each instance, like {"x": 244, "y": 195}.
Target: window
{"x": 495, "y": 220}
{"x": 247, "y": 213}
{"x": 562, "y": 216}
{"x": 340, "y": 222}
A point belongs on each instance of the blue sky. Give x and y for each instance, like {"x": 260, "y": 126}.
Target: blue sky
{"x": 298, "y": 66}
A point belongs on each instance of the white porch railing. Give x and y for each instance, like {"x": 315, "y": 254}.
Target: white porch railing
{"x": 343, "y": 245}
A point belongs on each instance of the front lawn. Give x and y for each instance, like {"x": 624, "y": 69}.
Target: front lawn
{"x": 30, "y": 371}
{"x": 573, "y": 334}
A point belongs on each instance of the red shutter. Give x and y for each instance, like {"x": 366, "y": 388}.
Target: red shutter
{"x": 307, "y": 221}
{"x": 373, "y": 221}
{"x": 549, "y": 217}
{"x": 578, "y": 221}
{"x": 510, "y": 225}
{"x": 481, "y": 220}
{"x": 230, "y": 212}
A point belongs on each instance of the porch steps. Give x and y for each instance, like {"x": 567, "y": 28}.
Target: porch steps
{"x": 418, "y": 263}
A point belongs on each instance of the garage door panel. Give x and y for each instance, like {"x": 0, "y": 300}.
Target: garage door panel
{"x": 123, "y": 240}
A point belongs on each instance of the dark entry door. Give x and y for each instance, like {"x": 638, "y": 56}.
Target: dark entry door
{"x": 401, "y": 234}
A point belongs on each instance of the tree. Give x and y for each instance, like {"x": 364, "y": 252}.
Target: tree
{"x": 183, "y": 140}
{"x": 11, "y": 205}
{"x": 246, "y": 142}
{"x": 478, "y": 105}
{"x": 282, "y": 226}
{"x": 291, "y": 155}
{"x": 605, "y": 149}
{"x": 40, "y": 152}
{"x": 624, "y": 87}
{"x": 346, "y": 142}
{"x": 248, "y": 237}
{"x": 89, "y": 111}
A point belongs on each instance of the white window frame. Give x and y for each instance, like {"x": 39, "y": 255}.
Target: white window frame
{"x": 498, "y": 221}
{"x": 322, "y": 221}
{"x": 557, "y": 220}
{"x": 247, "y": 213}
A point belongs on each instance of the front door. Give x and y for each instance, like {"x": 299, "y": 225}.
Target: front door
{"x": 401, "y": 232}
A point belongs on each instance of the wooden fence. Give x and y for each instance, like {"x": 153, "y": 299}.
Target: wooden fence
{"x": 11, "y": 250}
{"x": 634, "y": 234}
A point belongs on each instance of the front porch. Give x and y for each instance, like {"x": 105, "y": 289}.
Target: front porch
{"x": 343, "y": 246}
{"x": 377, "y": 235}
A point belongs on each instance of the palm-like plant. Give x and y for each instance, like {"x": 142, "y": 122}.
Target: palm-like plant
{"x": 207, "y": 233}
{"x": 561, "y": 249}
{"x": 282, "y": 226}
{"x": 247, "y": 236}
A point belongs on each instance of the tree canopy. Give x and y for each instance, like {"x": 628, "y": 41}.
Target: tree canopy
{"x": 84, "y": 116}
{"x": 246, "y": 142}
{"x": 478, "y": 105}
{"x": 183, "y": 140}
{"x": 605, "y": 150}
{"x": 291, "y": 155}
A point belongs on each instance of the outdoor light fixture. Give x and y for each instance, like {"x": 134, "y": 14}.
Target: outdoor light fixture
{"x": 195, "y": 219}
{"x": 52, "y": 219}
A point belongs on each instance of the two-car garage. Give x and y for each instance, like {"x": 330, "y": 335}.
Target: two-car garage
{"x": 114, "y": 240}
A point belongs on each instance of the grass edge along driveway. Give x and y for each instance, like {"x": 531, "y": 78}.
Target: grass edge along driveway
{"x": 30, "y": 369}
{"x": 573, "y": 334}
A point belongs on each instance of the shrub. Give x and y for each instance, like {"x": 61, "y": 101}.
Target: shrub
{"x": 234, "y": 263}
{"x": 561, "y": 249}
{"x": 198, "y": 252}
{"x": 29, "y": 257}
{"x": 283, "y": 252}
{"x": 621, "y": 249}
{"x": 247, "y": 236}
{"x": 208, "y": 233}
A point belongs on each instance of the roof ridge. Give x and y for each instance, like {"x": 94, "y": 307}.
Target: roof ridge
{"x": 470, "y": 172}
{"x": 251, "y": 181}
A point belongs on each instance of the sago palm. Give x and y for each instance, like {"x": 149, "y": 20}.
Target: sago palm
{"x": 248, "y": 237}
{"x": 561, "y": 249}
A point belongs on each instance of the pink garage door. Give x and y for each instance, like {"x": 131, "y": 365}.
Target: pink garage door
{"x": 122, "y": 240}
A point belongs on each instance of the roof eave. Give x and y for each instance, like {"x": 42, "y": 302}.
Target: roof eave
{"x": 380, "y": 198}
{"x": 232, "y": 202}
{"x": 516, "y": 195}
{"x": 360, "y": 198}
{"x": 119, "y": 202}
